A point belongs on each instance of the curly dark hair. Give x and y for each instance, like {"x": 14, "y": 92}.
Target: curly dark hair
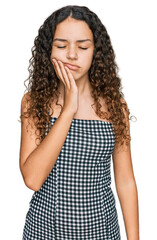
{"x": 103, "y": 75}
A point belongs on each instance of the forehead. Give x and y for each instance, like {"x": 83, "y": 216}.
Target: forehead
{"x": 72, "y": 28}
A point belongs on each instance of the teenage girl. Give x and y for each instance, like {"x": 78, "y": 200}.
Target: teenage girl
{"x": 74, "y": 118}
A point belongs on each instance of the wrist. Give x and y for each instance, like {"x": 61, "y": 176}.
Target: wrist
{"x": 67, "y": 115}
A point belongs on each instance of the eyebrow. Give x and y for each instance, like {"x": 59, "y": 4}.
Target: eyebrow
{"x": 64, "y": 40}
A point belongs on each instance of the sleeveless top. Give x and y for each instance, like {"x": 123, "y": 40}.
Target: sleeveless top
{"x": 76, "y": 201}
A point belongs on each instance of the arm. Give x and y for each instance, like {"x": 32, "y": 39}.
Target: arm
{"x": 36, "y": 163}
{"x": 126, "y": 190}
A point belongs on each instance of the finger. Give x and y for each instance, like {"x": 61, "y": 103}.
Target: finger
{"x": 64, "y": 73}
{"x": 71, "y": 78}
{"x": 58, "y": 70}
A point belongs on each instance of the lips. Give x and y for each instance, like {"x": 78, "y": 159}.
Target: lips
{"x": 72, "y": 67}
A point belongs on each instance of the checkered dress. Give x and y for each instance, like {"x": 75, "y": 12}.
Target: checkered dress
{"x": 76, "y": 201}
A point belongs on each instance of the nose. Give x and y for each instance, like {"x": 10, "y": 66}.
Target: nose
{"x": 72, "y": 52}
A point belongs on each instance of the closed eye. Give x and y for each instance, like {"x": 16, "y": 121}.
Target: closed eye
{"x": 79, "y": 47}
{"x": 61, "y": 47}
{"x": 83, "y": 48}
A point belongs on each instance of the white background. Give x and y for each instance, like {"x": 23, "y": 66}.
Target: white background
{"x": 131, "y": 26}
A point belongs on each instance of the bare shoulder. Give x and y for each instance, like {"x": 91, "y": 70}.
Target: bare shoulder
{"x": 25, "y": 118}
{"x": 126, "y": 112}
{"x": 104, "y": 107}
{"x": 103, "y": 104}
{"x": 25, "y": 101}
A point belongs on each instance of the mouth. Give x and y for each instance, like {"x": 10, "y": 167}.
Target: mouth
{"x": 72, "y": 67}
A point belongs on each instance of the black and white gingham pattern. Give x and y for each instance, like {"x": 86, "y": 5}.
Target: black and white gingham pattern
{"x": 76, "y": 201}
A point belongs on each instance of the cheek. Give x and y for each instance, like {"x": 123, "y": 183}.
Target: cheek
{"x": 56, "y": 54}
{"x": 88, "y": 60}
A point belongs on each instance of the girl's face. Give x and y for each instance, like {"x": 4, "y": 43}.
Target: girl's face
{"x": 73, "y": 44}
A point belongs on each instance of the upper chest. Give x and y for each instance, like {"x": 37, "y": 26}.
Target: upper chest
{"x": 86, "y": 109}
